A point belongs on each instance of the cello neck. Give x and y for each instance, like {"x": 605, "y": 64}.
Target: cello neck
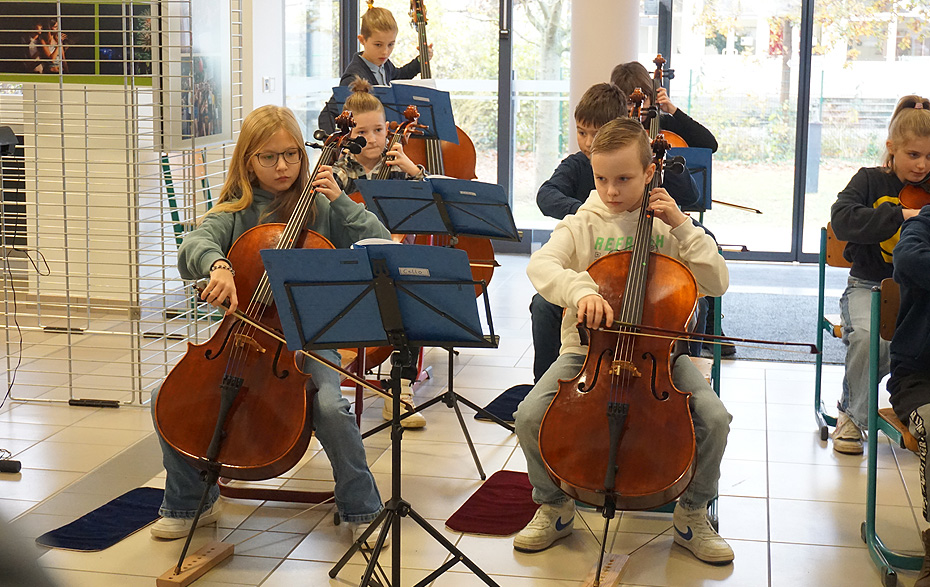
{"x": 385, "y": 170}
{"x": 434, "y": 164}
{"x": 418, "y": 12}
{"x": 423, "y": 46}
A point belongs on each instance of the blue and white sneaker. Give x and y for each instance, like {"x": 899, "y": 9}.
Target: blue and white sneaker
{"x": 550, "y": 523}
{"x": 693, "y": 531}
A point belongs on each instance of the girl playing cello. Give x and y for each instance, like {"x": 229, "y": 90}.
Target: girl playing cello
{"x": 622, "y": 164}
{"x": 868, "y": 215}
{"x": 267, "y": 175}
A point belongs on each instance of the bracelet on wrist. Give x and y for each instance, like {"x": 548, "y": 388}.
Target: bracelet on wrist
{"x": 229, "y": 268}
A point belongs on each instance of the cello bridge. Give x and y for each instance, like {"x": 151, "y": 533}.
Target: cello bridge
{"x": 242, "y": 340}
{"x": 618, "y": 367}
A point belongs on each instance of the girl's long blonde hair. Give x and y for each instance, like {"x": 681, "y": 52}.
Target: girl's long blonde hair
{"x": 911, "y": 120}
{"x": 257, "y": 128}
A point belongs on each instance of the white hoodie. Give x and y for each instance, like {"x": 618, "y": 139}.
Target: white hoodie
{"x": 559, "y": 269}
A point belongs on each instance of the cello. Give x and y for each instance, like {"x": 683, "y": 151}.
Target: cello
{"x": 624, "y": 394}
{"x": 218, "y": 404}
{"x": 454, "y": 160}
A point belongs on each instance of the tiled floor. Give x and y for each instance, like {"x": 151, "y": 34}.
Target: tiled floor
{"x": 789, "y": 506}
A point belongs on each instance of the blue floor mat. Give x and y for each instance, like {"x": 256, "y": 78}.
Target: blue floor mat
{"x": 108, "y": 524}
{"x": 504, "y": 405}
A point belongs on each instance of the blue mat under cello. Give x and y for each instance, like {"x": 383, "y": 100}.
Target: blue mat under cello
{"x": 504, "y": 405}
{"x": 108, "y": 524}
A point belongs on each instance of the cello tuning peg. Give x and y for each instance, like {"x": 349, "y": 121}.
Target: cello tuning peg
{"x": 320, "y": 134}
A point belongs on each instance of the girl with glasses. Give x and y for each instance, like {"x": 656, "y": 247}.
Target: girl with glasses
{"x": 267, "y": 175}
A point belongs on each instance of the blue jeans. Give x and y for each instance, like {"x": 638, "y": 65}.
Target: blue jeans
{"x": 357, "y": 496}
{"x": 856, "y": 320}
{"x": 711, "y": 427}
{"x": 547, "y": 334}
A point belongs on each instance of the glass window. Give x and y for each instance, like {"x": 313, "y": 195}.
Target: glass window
{"x": 852, "y": 98}
{"x": 311, "y": 57}
{"x": 735, "y": 72}
{"x": 543, "y": 119}
{"x": 464, "y": 36}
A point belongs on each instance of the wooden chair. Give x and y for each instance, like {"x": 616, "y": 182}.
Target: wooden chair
{"x": 885, "y": 302}
{"x": 831, "y": 253}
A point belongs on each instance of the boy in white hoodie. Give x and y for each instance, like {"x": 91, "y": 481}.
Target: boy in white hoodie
{"x": 621, "y": 158}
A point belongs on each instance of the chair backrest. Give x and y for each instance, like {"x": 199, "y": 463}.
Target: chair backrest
{"x": 891, "y": 301}
{"x": 835, "y": 248}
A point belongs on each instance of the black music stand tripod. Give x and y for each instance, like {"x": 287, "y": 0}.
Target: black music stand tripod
{"x": 416, "y": 296}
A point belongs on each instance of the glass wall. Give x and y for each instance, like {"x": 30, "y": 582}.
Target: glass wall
{"x": 858, "y": 74}
{"x": 544, "y": 122}
{"x": 311, "y": 52}
{"x": 737, "y": 71}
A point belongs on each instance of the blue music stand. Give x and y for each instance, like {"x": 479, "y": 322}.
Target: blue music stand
{"x": 415, "y": 295}
{"x": 434, "y": 106}
{"x": 441, "y": 206}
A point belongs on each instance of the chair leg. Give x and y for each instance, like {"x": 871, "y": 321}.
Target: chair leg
{"x": 884, "y": 558}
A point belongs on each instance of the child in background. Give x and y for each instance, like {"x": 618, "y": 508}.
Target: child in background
{"x": 370, "y": 123}
{"x": 267, "y": 175}
{"x": 631, "y": 75}
{"x": 621, "y": 159}
{"x": 377, "y": 36}
{"x": 868, "y": 215}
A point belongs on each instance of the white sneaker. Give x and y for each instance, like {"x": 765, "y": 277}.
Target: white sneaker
{"x": 847, "y": 438}
{"x": 406, "y": 394}
{"x": 358, "y": 528}
{"x": 550, "y": 523}
{"x": 694, "y": 532}
{"x": 174, "y": 528}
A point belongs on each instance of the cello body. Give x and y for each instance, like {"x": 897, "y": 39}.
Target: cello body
{"x": 456, "y": 161}
{"x": 267, "y": 430}
{"x": 654, "y": 452}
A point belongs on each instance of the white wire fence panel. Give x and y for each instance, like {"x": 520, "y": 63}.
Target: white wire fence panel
{"x": 97, "y": 196}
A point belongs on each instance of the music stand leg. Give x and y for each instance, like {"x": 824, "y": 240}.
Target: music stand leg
{"x": 397, "y": 508}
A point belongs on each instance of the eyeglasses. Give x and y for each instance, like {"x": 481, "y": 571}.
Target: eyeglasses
{"x": 291, "y": 157}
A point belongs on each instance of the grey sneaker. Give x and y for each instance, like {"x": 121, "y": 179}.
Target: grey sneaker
{"x": 550, "y": 523}
{"x": 847, "y": 438}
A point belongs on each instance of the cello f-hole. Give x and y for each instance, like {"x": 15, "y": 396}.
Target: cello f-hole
{"x": 210, "y": 355}
{"x": 597, "y": 371}
{"x": 652, "y": 382}
{"x": 274, "y": 365}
